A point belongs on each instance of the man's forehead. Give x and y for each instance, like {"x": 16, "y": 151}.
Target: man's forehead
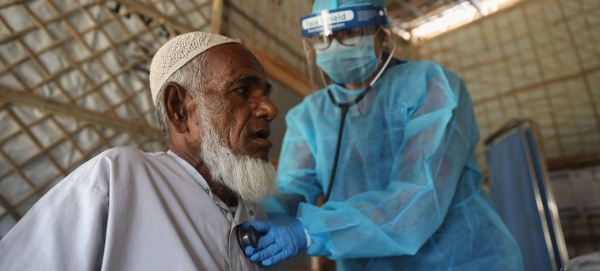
{"x": 232, "y": 60}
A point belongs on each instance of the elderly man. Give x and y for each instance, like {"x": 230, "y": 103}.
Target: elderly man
{"x": 130, "y": 210}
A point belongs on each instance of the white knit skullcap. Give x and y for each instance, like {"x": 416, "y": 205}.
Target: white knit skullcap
{"x": 177, "y": 52}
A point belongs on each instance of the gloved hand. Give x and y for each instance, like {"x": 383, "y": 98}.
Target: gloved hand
{"x": 283, "y": 237}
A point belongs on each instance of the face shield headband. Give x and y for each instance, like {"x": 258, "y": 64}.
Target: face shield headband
{"x": 328, "y": 21}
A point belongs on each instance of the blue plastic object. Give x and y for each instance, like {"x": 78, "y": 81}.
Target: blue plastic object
{"x": 520, "y": 192}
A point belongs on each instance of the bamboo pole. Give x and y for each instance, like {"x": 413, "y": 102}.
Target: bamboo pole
{"x": 77, "y": 112}
{"x": 217, "y": 16}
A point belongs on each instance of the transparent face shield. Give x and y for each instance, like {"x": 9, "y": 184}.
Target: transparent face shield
{"x": 347, "y": 46}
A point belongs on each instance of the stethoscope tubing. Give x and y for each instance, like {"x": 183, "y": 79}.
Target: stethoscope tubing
{"x": 344, "y": 107}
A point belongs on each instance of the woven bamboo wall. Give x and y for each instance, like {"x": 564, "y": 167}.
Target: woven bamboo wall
{"x": 270, "y": 25}
{"x": 73, "y": 83}
{"x": 540, "y": 60}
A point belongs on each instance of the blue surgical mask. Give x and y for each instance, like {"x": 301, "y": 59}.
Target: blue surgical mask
{"x": 349, "y": 64}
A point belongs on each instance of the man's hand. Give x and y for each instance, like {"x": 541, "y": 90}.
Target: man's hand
{"x": 283, "y": 237}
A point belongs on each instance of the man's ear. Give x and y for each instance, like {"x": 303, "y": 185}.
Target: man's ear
{"x": 175, "y": 110}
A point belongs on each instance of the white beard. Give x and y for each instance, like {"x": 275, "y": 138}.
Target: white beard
{"x": 252, "y": 179}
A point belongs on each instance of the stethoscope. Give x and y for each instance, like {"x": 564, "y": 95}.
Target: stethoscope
{"x": 344, "y": 108}
{"x": 247, "y": 237}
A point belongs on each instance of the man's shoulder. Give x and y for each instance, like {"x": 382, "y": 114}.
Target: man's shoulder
{"x": 124, "y": 158}
{"x": 125, "y": 152}
{"x": 101, "y": 169}
{"x": 128, "y": 156}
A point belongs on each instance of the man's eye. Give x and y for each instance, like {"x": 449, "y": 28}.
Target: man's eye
{"x": 242, "y": 91}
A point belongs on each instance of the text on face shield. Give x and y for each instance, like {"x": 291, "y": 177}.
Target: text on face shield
{"x": 335, "y": 17}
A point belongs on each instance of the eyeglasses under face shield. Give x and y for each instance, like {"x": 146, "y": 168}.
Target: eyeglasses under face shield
{"x": 346, "y": 25}
{"x": 346, "y": 37}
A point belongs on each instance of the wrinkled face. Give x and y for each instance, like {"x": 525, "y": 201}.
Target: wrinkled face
{"x": 237, "y": 99}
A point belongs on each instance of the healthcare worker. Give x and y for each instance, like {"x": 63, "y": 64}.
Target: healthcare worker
{"x": 389, "y": 144}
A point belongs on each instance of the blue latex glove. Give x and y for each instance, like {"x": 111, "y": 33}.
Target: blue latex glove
{"x": 283, "y": 237}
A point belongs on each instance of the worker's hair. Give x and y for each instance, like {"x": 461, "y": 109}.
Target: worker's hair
{"x": 190, "y": 77}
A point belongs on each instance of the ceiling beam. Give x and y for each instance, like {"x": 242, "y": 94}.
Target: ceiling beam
{"x": 412, "y": 9}
{"x": 404, "y": 6}
{"x": 431, "y": 9}
{"x": 77, "y": 112}
{"x": 275, "y": 68}
{"x": 477, "y": 5}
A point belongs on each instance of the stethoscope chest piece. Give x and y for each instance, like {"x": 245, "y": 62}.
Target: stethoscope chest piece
{"x": 246, "y": 238}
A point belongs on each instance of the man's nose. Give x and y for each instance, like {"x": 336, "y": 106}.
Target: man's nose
{"x": 266, "y": 109}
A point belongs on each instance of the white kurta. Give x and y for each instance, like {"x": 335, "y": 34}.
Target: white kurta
{"x": 129, "y": 210}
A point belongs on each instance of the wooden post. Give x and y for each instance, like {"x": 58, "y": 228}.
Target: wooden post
{"x": 217, "y": 15}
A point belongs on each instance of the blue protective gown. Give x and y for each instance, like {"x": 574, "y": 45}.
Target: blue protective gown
{"x": 407, "y": 193}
